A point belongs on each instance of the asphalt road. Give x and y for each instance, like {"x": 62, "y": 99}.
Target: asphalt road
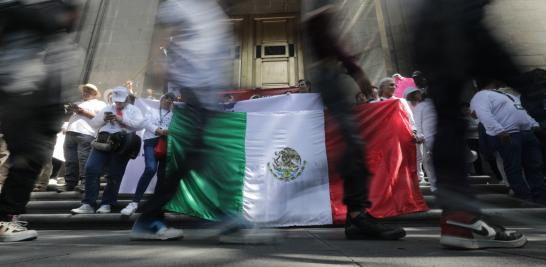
{"x": 300, "y": 247}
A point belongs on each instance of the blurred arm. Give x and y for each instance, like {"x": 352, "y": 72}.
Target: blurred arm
{"x": 326, "y": 45}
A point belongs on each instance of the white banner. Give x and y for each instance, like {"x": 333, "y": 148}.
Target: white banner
{"x": 281, "y": 103}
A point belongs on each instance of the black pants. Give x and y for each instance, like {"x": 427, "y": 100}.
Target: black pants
{"x": 488, "y": 153}
{"x": 452, "y": 46}
{"x": 351, "y": 165}
{"x": 30, "y": 133}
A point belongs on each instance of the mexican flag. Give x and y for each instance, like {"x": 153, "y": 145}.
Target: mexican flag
{"x": 280, "y": 168}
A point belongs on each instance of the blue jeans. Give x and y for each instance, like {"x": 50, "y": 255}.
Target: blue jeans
{"x": 93, "y": 170}
{"x": 522, "y": 154}
{"x": 152, "y": 165}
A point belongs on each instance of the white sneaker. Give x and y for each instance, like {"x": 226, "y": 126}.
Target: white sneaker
{"x": 104, "y": 209}
{"x": 130, "y": 209}
{"x": 14, "y": 230}
{"x": 83, "y": 209}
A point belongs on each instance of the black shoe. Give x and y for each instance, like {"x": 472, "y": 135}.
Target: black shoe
{"x": 365, "y": 227}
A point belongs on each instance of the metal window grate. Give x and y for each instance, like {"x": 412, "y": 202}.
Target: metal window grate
{"x": 277, "y": 50}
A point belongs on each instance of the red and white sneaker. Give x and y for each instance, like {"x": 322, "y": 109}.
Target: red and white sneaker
{"x": 463, "y": 230}
{"x": 14, "y": 230}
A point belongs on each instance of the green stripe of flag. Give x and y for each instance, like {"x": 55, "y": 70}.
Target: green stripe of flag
{"x": 216, "y": 188}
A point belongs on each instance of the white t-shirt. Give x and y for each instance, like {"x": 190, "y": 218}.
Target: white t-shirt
{"x": 132, "y": 120}
{"x": 501, "y": 112}
{"x": 79, "y": 123}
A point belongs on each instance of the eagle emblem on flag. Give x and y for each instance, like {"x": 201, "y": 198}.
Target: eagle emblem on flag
{"x": 287, "y": 165}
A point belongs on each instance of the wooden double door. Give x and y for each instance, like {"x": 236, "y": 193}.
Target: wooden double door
{"x": 268, "y": 52}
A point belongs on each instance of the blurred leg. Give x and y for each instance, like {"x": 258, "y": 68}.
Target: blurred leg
{"x": 30, "y": 144}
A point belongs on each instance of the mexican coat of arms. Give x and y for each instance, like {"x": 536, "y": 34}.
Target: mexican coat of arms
{"x": 287, "y": 165}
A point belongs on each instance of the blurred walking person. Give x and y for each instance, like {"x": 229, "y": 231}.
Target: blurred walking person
{"x": 38, "y": 65}
{"x": 328, "y": 51}
{"x": 452, "y": 46}
{"x": 199, "y": 67}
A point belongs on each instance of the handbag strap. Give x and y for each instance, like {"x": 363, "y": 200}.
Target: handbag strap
{"x": 503, "y": 93}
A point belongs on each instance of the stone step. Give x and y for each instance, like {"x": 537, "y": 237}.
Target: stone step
{"x": 478, "y": 189}
{"x": 482, "y": 179}
{"x": 491, "y": 201}
{"x": 73, "y": 195}
{"x": 504, "y": 216}
{"x": 64, "y": 221}
{"x": 64, "y": 206}
{"x": 50, "y": 210}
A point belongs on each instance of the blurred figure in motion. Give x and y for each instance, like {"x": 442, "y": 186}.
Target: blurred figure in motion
{"x": 452, "y": 46}
{"x": 199, "y": 66}
{"x": 328, "y": 52}
{"x": 38, "y": 64}
{"x": 4, "y": 154}
{"x": 360, "y": 98}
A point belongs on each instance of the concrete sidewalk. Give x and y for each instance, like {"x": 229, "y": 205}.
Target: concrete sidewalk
{"x": 300, "y": 247}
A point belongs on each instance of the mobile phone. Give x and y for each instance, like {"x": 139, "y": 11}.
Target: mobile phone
{"x": 108, "y": 114}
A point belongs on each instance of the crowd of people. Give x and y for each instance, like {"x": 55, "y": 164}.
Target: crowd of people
{"x": 101, "y": 137}
{"x": 523, "y": 174}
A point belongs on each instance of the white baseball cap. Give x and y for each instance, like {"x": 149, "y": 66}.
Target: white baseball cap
{"x": 120, "y": 94}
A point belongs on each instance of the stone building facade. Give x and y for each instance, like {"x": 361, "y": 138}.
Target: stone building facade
{"x": 519, "y": 24}
{"x": 118, "y": 34}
